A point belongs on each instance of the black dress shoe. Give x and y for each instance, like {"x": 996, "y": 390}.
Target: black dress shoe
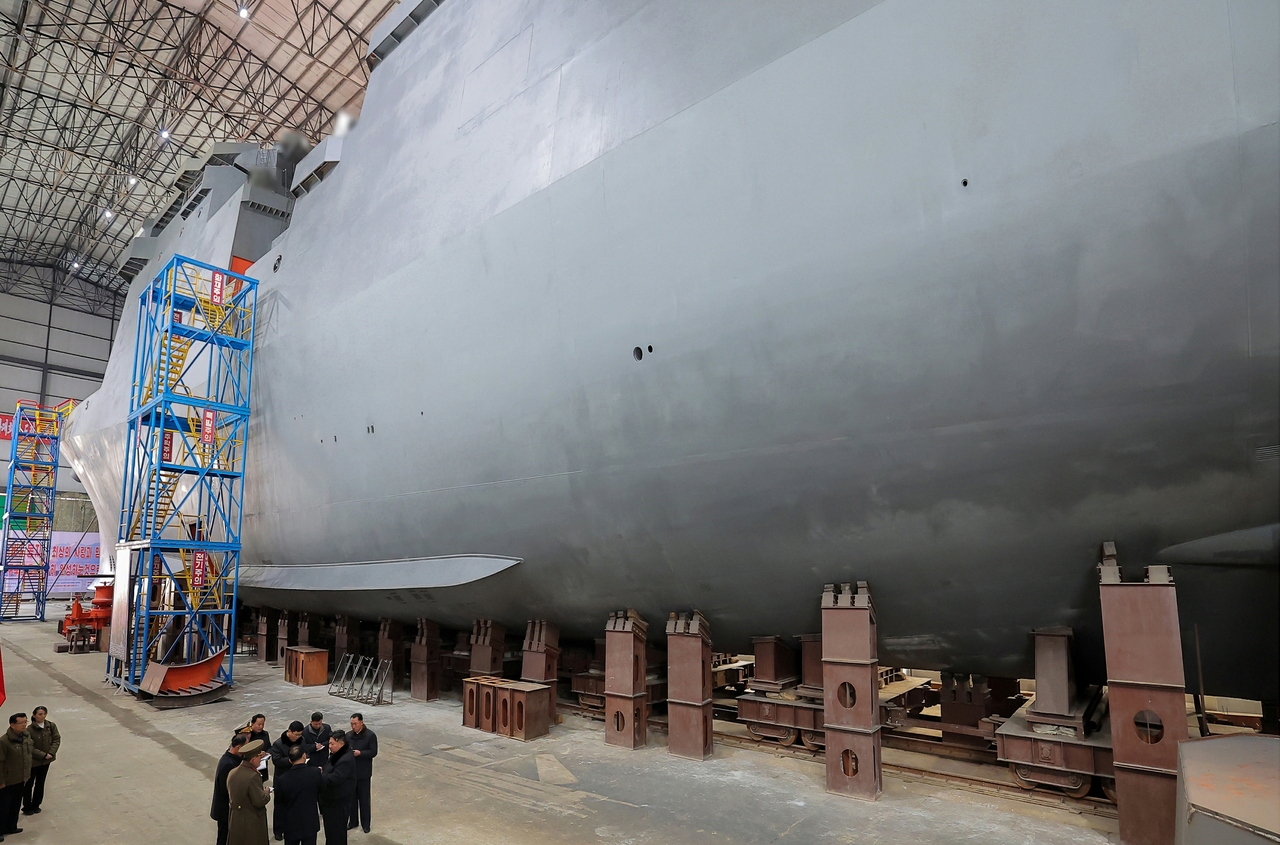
{"x": 279, "y": 837}
{"x": 15, "y": 830}
{"x": 366, "y": 830}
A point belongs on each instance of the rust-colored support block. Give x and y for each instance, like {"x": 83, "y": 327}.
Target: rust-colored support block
{"x": 488, "y": 641}
{"x": 471, "y": 702}
{"x": 391, "y": 647}
{"x": 851, "y": 691}
{"x": 775, "y": 665}
{"x": 286, "y": 633}
{"x": 530, "y": 706}
{"x": 424, "y": 662}
{"x": 626, "y": 704}
{"x": 304, "y": 629}
{"x": 346, "y": 637}
{"x": 268, "y": 621}
{"x": 1146, "y": 689}
{"x": 810, "y": 666}
{"x": 541, "y": 660}
{"x": 689, "y": 728}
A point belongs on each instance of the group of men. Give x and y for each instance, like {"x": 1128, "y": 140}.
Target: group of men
{"x": 25, "y": 755}
{"x": 318, "y": 773}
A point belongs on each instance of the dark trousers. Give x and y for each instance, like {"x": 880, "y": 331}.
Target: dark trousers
{"x": 360, "y": 806}
{"x": 310, "y": 840}
{"x": 335, "y": 824}
{"x": 11, "y": 803}
{"x": 34, "y": 793}
{"x": 222, "y": 831}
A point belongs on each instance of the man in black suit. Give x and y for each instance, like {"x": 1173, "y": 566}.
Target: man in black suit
{"x": 364, "y": 747}
{"x": 297, "y": 794}
{"x": 279, "y": 754}
{"x": 315, "y": 740}
{"x": 221, "y": 809}
{"x": 337, "y": 790}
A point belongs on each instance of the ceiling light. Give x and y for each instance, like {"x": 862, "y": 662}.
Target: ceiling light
{"x": 244, "y": 12}
{"x": 107, "y": 214}
{"x": 133, "y": 180}
{"x": 164, "y": 134}
{"x": 75, "y": 265}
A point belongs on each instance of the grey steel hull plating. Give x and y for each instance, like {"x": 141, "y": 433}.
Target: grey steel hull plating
{"x": 939, "y": 297}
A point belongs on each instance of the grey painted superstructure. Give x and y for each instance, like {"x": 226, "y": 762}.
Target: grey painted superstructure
{"x": 940, "y": 296}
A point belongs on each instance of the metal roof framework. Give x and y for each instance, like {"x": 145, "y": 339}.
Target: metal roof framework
{"x": 102, "y": 100}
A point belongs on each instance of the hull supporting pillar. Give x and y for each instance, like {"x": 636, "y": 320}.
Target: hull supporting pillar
{"x": 1146, "y": 690}
{"x": 689, "y": 686}
{"x": 391, "y": 647}
{"x": 851, "y": 691}
{"x": 424, "y": 662}
{"x": 625, "y": 699}
{"x": 541, "y": 664}
{"x": 488, "y": 641}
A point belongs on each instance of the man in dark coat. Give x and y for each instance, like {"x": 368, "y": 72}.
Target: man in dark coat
{"x": 315, "y": 739}
{"x": 364, "y": 747}
{"x": 297, "y": 795}
{"x": 15, "y": 769}
{"x": 248, "y": 798}
{"x": 45, "y": 742}
{"x": 280, "y": 763}
{"x": 337, "y": 790}
{"x": 220, "y": 811}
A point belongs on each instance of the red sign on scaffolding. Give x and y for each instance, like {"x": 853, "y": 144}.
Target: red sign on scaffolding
{"x": 6, "y": 426}
{"x": 218, "y": 288}
{"x": 208, "y": 421}
{"x": 166, "y": 448}
{"x": 177, "y": 317}
{"x": 199, "y": 566}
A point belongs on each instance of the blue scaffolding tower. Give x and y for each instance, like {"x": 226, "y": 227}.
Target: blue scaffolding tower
{"x": 184, "y": 477}
{"x": 26, "y": 533}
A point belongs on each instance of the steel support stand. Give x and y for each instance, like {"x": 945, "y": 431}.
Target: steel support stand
{"x": 391, "y": 649}
{"x": 851, "y": 691}
{"x": 689, "y": 728}
{"x": 1147, "y": 694}
{"x": 268, "y": 634}
{"x": 286, "y": 633}
{"x": 346, "y": 637}
{"x": 488, "y": 642}
{"x": 541, "y": 664}
{"x": 424, "y": 662}
{"x": 304, "y": 629}
{"x": 626, "y": 699}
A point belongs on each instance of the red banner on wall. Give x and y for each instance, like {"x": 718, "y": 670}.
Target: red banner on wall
{"x": 6, "y": 426}
{"x": 208, "y": 421}
{"x": 166, "y": 448}
{"x": 199, "y": 565}
{"x": 218, "y": 288}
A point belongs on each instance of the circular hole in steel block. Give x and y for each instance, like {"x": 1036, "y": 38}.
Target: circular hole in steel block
{"x": 849, "y": 763}
{"x": 1148, "y": 726}
{"x": 519, "y": 715}
{"x": 505, "y": 716}
{"x": 846, "y": 695}
{"x": 619, "y": 721}
{"x": 471, "y": 701}
{"x": 488, "y": 705}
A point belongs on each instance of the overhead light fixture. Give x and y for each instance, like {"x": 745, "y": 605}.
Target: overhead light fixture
{"x": 164, "y": 134}
{"x": 108, "y": 214}
{"x": 244, "y": 12}
{"x": 75, "y": 265}
{"x": 133, "y": 180}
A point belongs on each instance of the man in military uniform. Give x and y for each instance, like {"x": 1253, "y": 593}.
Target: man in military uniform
{"x": 15, "y": 766}
{"x": 248, "y": 798}
{"x": 45, "y": 742}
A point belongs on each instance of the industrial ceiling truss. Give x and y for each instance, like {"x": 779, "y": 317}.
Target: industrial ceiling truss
{"x": 102, "y": 100}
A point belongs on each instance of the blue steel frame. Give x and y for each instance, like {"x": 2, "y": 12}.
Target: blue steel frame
{"x": 183, "y": 489}
{"x": 30, "y": 496}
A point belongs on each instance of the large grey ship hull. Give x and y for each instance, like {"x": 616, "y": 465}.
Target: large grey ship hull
{"x": 940, "y": 297}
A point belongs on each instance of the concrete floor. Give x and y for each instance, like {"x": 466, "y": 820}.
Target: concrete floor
{"x": 128, "y": 774}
